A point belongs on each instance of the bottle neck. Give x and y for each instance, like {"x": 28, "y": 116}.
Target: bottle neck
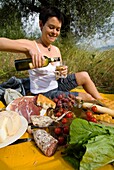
{"x": 54, "y": 59}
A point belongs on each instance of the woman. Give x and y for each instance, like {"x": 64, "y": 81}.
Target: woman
{"x": 42, "y": 79}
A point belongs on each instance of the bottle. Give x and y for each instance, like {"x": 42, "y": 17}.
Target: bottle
{"x": 26, "y": 64}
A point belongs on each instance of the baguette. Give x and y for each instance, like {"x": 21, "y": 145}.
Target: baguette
{"x": 100, "y": 109}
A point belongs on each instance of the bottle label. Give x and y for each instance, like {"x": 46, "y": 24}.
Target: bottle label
{"x": 31, "y": 66}
{"x": 52, "y": 59}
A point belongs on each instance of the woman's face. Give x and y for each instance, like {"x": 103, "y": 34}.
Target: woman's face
{"x": 51, "y": 30}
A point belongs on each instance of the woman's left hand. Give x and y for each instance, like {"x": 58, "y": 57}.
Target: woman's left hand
{"x": 64, "y": 71}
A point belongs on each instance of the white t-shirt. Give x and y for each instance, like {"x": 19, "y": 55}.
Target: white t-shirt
{"x": 43, "y": 79}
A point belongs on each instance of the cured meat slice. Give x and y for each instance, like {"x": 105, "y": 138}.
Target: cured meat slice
{"x": 46, "y": 142}
{"x": 25, "y": 106}
{"x": 41, "y": 121}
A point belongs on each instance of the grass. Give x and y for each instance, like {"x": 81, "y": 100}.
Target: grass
{"x": 100, "y": 65}
{"x": 7, "y": 66}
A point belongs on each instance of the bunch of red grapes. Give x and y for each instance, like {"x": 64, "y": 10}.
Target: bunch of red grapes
{"x": 66, "y": 102}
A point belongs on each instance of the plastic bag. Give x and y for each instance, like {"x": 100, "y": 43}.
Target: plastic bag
{"x": 10, "y": 95}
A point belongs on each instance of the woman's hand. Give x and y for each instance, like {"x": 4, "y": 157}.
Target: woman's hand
{"x": 64, "y": 71}
{"x": 37, "y": 58}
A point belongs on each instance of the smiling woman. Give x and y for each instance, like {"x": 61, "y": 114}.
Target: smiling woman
{"x": 43, "y": 79}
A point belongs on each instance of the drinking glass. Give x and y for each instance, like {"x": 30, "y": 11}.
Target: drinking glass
{"x": 59, "y": 69}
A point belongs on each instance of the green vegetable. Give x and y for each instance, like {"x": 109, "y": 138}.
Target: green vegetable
{"x": 90, "y": 145}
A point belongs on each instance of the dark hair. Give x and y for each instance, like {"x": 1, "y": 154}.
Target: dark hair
{"x": 47, "y": 12}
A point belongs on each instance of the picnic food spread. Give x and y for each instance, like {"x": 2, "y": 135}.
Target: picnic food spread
{"x": 31, "y": 105}
{"x": 72, "y": 124}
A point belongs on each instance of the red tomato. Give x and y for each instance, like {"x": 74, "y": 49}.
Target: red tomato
{"x": 94, "y": 108}
{"x": 61, "y": 140}
{"x": 93, "y": 119}
{"x": 57, "y": 130}
{"x": 64, "y": 120}
{"x": 89, "y": 114}
{"x": 66, "y": 129}
{"x": 61, "y": 109}
{"x": 69, "y": 115}
{"x": 58, "y": 114}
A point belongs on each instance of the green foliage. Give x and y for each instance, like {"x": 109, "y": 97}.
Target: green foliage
{"x": 91, "y": 16}
{"x": 83, "y": 18}
{"x": 7, "y": 67}
{"x": 10, "y": 22}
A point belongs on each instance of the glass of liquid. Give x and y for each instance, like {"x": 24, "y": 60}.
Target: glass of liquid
{"x": 59, "y": 72}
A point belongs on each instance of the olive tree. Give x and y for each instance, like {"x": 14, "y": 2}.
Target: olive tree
{"x": 82, "y": 17}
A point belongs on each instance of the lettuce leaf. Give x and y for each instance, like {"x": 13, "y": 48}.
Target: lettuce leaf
{"x": 99, "y": 152}
{"x": 81, "y": 130}
{"x": 90, "y": 145}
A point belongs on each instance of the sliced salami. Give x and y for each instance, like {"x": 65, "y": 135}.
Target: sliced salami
{"x": 45, "y": 142}
{"x": 41, "y": 121}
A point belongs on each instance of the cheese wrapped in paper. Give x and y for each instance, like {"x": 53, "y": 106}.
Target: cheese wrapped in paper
{"x": 10, "y": 123}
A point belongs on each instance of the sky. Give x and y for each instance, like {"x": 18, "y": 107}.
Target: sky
{"x": 105, "y": 41}
{"x": 32, "y": 24}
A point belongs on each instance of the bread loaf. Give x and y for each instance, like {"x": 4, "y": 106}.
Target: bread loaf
{"x": 45, "y": 102}
{"x": 9, "y": 124}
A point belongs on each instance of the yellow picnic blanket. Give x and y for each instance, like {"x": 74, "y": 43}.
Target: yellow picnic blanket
{"x": 27, "y": 156}
{"x": 109, "y": 96}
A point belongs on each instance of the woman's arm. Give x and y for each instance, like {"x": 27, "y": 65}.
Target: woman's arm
{"x": 25, "y": 46}
{"x": 20, "y": 45}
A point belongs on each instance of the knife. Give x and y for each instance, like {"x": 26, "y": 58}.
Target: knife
{"x": 22, "y": 140}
